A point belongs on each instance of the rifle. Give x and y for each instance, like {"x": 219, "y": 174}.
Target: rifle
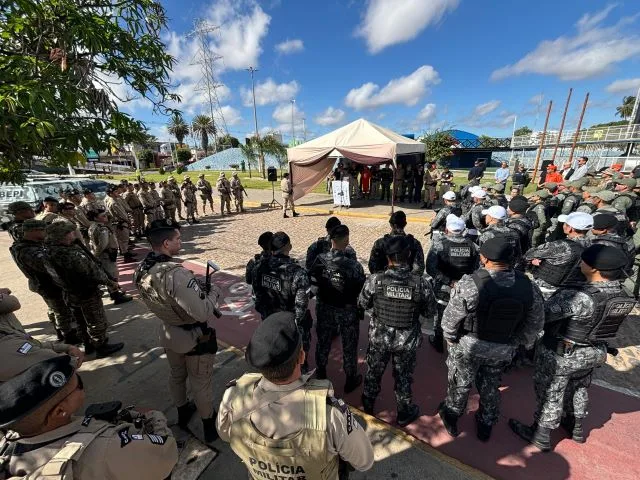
{"x": 245, "y": 192}
{"x": 94, "y": 259}
{"x": 207, "y": 282}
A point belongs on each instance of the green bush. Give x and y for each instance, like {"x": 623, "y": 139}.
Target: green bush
{"x": 183, "y": 154}
{"x": 147, "y": 158}
{"x": 207, "y": 167}
{"x": 179, "y": 169}
{"x": 161, "y": 171}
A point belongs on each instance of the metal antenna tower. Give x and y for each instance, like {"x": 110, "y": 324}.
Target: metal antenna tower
{"x": 208, "y": 84}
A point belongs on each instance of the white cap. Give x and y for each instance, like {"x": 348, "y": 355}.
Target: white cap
{"x": 455, "y": 224}
{"x": 479, "y": 194}
{"x": 496, "y": 211}
{"x": 577, "y": 220}
{"x": 474, "y": 188}
{"x": 449, "y": 195}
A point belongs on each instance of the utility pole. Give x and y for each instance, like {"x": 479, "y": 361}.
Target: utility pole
{"x": 304, "y": 129}
{"x": 542, "y": 137}
{"x": 293, "y": 128}
{"x": 252, "y": 70}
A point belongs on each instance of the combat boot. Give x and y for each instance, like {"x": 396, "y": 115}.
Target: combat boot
{"x": 367, "y": 404}
{"x": 534, "y": 434}
{"x": 71, "y": 338}
{"x": 209, "y": 428}
{"x": 120, "y": 297}
{"x": 352, "y": 383}
{"x": 483, "y": 431}
{"x": 284, "y": 215}
{"x": 449, "y": 419}
{"x": 59, "y": 334}
{"x": 107, "y": 349}
{"x": 321, "y": 373}
{"x": 437, "y": 342}
{"x": 185, "y": 412}
{"x": 296, "y": 214}
{"x": 195, "y": 221}
{"x": 573, "y": 426}
{"x": 408, "y": 415}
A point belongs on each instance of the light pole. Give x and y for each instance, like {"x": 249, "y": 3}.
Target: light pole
{"x": 252, "y": 70}
{"x": 293, "y": 128}
{"x": 304, "y": 129}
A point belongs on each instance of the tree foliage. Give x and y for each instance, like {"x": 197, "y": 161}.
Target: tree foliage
{"x": 203, "y": 126}
{"x": 522, "y": 131}
{"x": 626, "y": 109}
{"x": 227, "y": 141}
{"x": 178, "y": 127}
{"x": 438, "y": 146}
{"x": 146, "y": 157}
{"x": 249, "y": 152}
{"x": 67, "y": 67}
{"x": 183, "y": 155}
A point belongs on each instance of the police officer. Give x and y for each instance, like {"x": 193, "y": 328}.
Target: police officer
{"x": 29, "y": 255}
{"x": 120, "y": 221}
{"x": 520, "y": 178}
{"x": 446, "y": 181}
{"x": 281, "y": 422}
{"x": 323, "y": 244}
{"x": 430, "y": 181}
{"x": 398, "y": 297}
{"x": 89, "y": 201}
{"x": 47, "y": 439}
{"x": 79, "y": 214}
{"x": 177, "y": 194}
{"x": 168, "y": 201}
{"x": 21, "y": 211}
{"x": 137, "y": 215}
{"x": 556, "y": 264}
{"x": 78, "y": 274}
{"x": 573, "y": 199}
{"x": 386, "y": 179}
{"x": 157, "y": 202}
{"x": 186, "y": 310}
{"x": 450, "y": 206}
{"x": 495, "y": 217}
{"x": 238, "y": 192}
{"x": 206, "y": 193}
{"x": 519, "y": 222}
{"x": 604, "y": 233}
{"x": 491, "y": 313}
{"x": 603, "y": 201}
{"x": 49, "y": 210}
{"x": 578, "y": 323}
{"x": 190, "y": 202}
{"x": 378, "y": 261}
{"x": 450, "y": 257}
{"x": 340, "y": 278}
{"x": 627, "y": 201}
{"x": 287, "y": 196}
{"x": 19, "y": 350}
{"x": 474, "y": 218}
{"x": 538, "y": 212}
{"x": 264, "y": 241}
{"x": 497, "y": 195}
{"x": 281, "y": 284}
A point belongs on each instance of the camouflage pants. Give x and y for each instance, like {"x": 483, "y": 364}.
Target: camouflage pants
{"x": 59, "y": 312}
{"x": 561, "y": 383}
{"x": 190, "y": 207}
{"x": 137, "y": 218}
{"x": 199, "y": 370}
{"x": 398, "y": 345}
{"x": 122, "y": 236}
{"x": 179, "y": 207}
{"x": 90, "y": 315}
{"x": 225, "y": 200}
{"x": 206, "y": 199}
{"x": 331, "y": 321}
{"x": 239, "y": 202}
{"x": 538, "y": 237}
{"x": 464, "y": 368}
{"x": 170, "y": 213}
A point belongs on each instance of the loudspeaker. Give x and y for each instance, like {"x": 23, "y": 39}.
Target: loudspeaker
{"x": 272, "y": 174}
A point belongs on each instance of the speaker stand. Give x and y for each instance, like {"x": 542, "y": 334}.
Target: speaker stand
{"x": 274, "y": 202}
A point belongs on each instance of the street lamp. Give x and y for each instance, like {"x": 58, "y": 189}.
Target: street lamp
{"x": 252, "y": 70}
{"x": 293, "y": 128}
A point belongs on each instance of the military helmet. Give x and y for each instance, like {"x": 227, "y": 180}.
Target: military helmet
{"x": 201, "y": 175}
{"x": 222, "y": 175}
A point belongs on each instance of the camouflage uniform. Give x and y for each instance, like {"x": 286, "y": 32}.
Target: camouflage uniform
{"x": 378, "y": 259}
{"x": 543, "y": 224}
{"x": 157, "y": 207}
{"x": 570, "y": 204}
{"x": 30, "y": 256}
{"x": 47, "y": 217}
{"x": 472, "y": 359}
{"x": 440, "y": 220}
{"x": 80, "y": 277}
{"x": 190, "y": 201}
{"x": 224, "y": 189}
{"x": 501, "y": 230}
{"x": 395, "y": 343}
{"x": 206, "y": 192}
{"x": 167, "y": 198}
{"x": 238, "y": 193}
{"x": 137, "y": 215}
{"x": 15, "y": 230}
{"x": 619, "y": 242}
{"x": 340, "y": 279}
{"x": 281, "y": 284}
{"x": 148, "y": 205}
{"x": 523, "y": 226}
{"x": 177, "y": 194}
{"x": 624, "y": 201}
{"x": 323, "y": 245}
{"x": 104, "y": 246}
{"x": 474, "y": 218}
{"x": 120, "y": 220}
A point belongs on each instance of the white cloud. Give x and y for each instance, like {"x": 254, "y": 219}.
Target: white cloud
{"x": 486, "y": 108}
{"x": 282, "y": 116}
{"x": 389, "y": 22}
{"x": 331, "y": 116}
{"x": 270, "y": 92}
{"x": 626, "y": 85}
{"x": 427, "y": 113}
{"x": 405, "y": 90}
{"x": 536, "y": 99}
{"x": 231, "y": 115}
{"x": 290, "y": 46}
{"x": 593, "y": 50}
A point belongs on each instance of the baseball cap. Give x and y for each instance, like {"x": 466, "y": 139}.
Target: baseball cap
{"x": 577, "y": 220}
{"x": 629, "y": 182}
{"x": 498, "y": 187}
{"x": 605, "y": 195}
{"x": 454, "y": 223}
{"x": 541, "y": 194}
{"x": 449, "y": 195}
{"x": 497, "y": 249}
{"x": 495, "y": 211}
{"x": 479, "y": 193}
{"x": 280, "y": 240}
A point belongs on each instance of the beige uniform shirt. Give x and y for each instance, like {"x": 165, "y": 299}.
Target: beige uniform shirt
{"x": 120, "y": 452}
{"x": 18, "y": 351}
{"x": 132, "y": 200}
{"x": 116, "y": 211}
{"x": 281, "y": 419}
{"x": 101, "y": 237}
{"x": 285, "y": 186}
{"x": 146, "y": 199}
{"x": 47, "y": 217}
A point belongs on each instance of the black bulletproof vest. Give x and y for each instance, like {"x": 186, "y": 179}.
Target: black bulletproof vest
{"x": 633, "y": 212}
{"x": 457, "y": 258}
{"x": 501, "y": 310}
{"x": 396, "y": 302}
{"x": 272, "y": 285}
{"x": 332, "y": 278}
{"x": 567, "y": 273}
{"x": 524, "y": 228}
{"x": 611, "y": 308}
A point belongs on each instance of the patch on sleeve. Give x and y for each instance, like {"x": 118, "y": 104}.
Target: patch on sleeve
{"x": 157, "y": 439}
{"x": 338, "y": 403}
{"x": 125, "y": 439}
{"x": 193, "y": 283}
{"x": 25, "y": 348}
{"x": 86, "y": 421}
{"x": 555, "y": 308}
{"x": 137, "y": 436}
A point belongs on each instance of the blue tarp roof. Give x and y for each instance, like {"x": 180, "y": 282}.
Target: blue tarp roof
{"x": 462, "y": 135}
{"x": 222, "y": 160}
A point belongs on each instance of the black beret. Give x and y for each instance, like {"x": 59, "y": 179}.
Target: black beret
{"x": 604, "y": 258}
{"x": 395, "y": 244}
{"x": 163, "y": 224}
{"x": 340, "y": 231}
{"x": 274, "y": 342}
{"x": 518, "y": 204}
{"x": 280, "y": 240}
{"x": 604, "y": 221}
{"x": 333, "y": 222}
{"x": 497, "y": 249}
{"x": 24, "y": 393}
{"x": 264, "y": 240}
{"x": 398, "y": 218}
{"x": 51, "y": 199}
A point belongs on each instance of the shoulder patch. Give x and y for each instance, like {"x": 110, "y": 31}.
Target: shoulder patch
{"x": 25, "y": 348}
{"x": 337, "y": 403}
{"x": 86, "y": 420}
{"x": 157, "y": 439}
{"x": 125, "y": 439}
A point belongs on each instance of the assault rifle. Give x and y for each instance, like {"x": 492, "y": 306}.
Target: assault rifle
{"x": 211, "y": 269}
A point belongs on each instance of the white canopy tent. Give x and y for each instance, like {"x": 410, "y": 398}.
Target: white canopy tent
{"x": 360, "y": 141}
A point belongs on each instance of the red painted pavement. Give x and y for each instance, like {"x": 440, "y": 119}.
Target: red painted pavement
{"x": 613, "y": 424}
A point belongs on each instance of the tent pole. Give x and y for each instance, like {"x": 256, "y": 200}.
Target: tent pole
{"x": 393, "y": 188}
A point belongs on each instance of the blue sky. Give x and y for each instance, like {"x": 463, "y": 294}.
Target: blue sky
{"x": 410, "y": 65}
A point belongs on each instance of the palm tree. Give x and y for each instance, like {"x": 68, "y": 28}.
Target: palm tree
{"x": 249, "y": 153}
{"x": 271, "y": 146}
{"x": 203, "y": 126}
{"x": 626, "y": 109}
{"x": 177, "y": 127}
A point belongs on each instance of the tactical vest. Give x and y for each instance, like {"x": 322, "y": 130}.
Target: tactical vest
{"x": 457, "y": 258}
{"x": 533, "y": 216}
{"x": 510, "y": 236}
{"x": 567, "y": 273}
{"x": 303, "y": 455}
{"x": 577, "y": 199}
{"x": 396, "y": 301}
{"x": 38, "y": 281}
{"x": 273, "y": 284}
{"x": 588, "y": 205}
{"x": 524, "y": 228}
{"x": 618, "y": 242}
{"x": 610, "y": 310}
{"x": 633, "y": 212}
{"x": 334, "y": 286}
{"x": 501, "y": 310}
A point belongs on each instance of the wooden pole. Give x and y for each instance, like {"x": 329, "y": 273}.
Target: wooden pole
{"x": 575, "y": 137}
{"x": 564, "y": 116}
{"x": 393, "y": 187}
{"x": 544, "y": 134}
